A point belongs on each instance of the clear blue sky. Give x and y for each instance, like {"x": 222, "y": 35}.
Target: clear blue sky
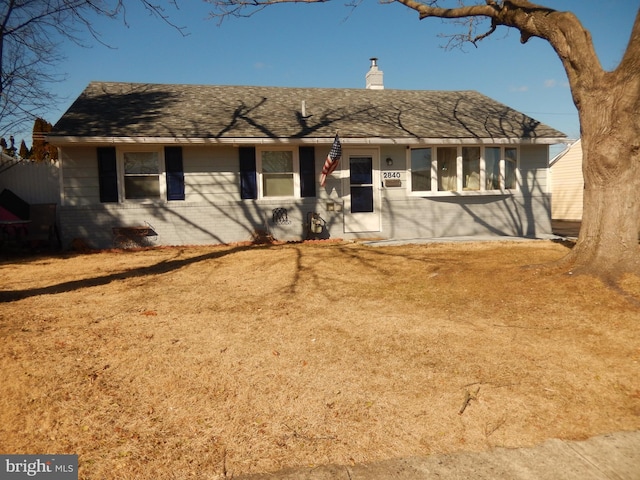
{"x": 329, "y": 45}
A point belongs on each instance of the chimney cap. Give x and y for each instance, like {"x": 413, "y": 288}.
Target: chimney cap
{"x": 374, "y": 76}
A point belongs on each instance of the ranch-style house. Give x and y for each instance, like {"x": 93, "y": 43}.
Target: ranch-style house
{"x": 207, "y": 164}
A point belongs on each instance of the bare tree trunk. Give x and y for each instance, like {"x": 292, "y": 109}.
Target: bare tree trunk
{"x": 608, "y": 241}
{"x": 610, "y": 124}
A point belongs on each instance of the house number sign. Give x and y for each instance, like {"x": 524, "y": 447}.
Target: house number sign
{"x": 392, "y": 179}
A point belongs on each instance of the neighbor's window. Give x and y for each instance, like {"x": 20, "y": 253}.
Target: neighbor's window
{"x": 420, "y": 169}
{"x": 277, "y": 173}
{"x": 141, "y": 175}
{"x": 447, "y": 168}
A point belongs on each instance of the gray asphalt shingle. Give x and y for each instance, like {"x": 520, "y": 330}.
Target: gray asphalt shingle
{"x": 111, "y": 109}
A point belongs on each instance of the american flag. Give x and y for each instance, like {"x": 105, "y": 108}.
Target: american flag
{"x": 332, "y": 160}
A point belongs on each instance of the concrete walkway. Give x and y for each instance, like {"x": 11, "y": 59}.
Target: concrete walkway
{"x": 472, "y": 239}
{"x": 562, "y": 230}
{"x": 614, "y": 456}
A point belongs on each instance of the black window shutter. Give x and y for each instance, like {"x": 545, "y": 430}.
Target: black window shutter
{"x": 248, "y": 186}
{"x": 307, "y": 172}
{"x": 175, "y": 173}
{"x": 108, "y": 174}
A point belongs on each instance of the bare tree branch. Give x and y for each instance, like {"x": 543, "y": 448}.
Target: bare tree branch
{"x": 223, "y": 9}
{"x": 31, "y": 32}
{"x": 562, "y": 30}
{"x": 484, "y": 35}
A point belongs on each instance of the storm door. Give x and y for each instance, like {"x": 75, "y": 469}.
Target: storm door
{"x": 362, "y": 192}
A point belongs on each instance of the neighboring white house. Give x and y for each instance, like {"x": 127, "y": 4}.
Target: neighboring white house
{"x": 217, "y": 164}
{"x": 567, "y": 184}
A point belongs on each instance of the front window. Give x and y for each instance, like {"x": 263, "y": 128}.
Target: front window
{"x": 464, "y": 169}
{"x": 277, "y": 173}
{"x": 141, "y": 175}
{"x": 447, "y": 169}
{"x": 510, "y": 167}
{"x": 492, "y": 167}
{"x": 420, "y": 169}
{"x": 471, "y": 168}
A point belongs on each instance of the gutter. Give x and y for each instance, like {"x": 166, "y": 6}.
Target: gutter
{"x": 76, "y": 140}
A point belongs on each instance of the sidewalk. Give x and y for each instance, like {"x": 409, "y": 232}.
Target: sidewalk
{"x": 614, "y": 456}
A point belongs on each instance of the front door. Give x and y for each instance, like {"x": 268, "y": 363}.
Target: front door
{"x": 362, "y": 195}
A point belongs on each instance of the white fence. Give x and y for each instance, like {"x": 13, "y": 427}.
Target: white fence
{"x": 34, "y": 182}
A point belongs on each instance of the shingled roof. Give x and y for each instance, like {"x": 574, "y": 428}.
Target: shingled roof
{"x": 219, "y": 113}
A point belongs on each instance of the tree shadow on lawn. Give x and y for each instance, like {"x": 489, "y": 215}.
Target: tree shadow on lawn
{"x": 156, "y": 269}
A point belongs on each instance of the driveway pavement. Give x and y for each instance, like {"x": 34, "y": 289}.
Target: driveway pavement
{"x": 614, "y": 456}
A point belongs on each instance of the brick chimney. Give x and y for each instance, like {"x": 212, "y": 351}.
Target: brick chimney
{"x": 374, "y": 76}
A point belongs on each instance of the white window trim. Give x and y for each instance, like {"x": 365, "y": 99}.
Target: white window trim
{"x": 162, "y": 176}
{"x": 296, "y": 172}
{"x": 459, "y": 192}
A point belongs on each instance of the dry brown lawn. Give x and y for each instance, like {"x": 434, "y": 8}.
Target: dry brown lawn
{"x": 220, "y": 361}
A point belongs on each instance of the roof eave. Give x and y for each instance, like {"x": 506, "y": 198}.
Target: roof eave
{"x": 63, "y": 140}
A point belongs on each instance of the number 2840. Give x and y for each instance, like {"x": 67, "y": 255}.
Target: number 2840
{"x": 390, "y": 174}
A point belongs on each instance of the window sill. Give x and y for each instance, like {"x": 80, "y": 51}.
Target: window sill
{"x": 278, "y": 199}
{"x": 465, "y": 193}
{"x": 138, "y": 201}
